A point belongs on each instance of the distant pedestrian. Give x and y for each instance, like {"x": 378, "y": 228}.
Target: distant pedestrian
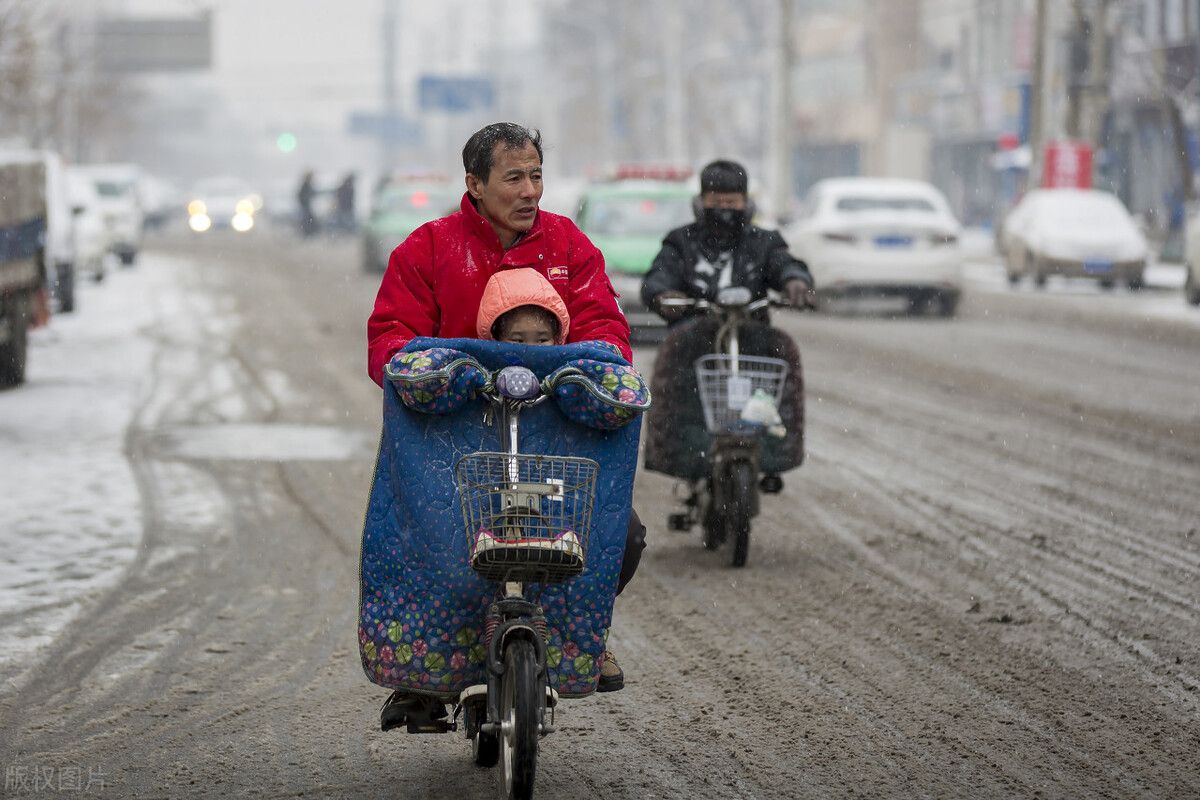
{"x": 304, "y": 201}
{"x": 344, "y": 196}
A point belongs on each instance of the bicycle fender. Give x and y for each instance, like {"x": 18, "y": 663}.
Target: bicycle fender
{"x": 514, "y": 627}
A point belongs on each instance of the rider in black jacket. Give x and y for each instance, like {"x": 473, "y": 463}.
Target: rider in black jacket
{"x": 722, "y": 248}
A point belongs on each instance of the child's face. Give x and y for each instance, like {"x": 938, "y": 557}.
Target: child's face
{"x": 527, "y": 327}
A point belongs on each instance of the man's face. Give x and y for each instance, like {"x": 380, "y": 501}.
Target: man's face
{"x": 733, "y": 200}
{"x": 509, "y": 197}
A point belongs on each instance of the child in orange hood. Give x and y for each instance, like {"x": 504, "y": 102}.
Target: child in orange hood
{"x": 520, "y": 306}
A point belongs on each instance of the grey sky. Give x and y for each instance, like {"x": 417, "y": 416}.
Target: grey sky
{"x": 305, "y": 65}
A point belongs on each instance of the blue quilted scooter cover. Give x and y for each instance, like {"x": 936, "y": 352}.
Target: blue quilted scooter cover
{"x": 422, "y": 607}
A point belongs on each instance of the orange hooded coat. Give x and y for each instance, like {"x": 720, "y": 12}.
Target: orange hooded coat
{"x": 513, "y": 288}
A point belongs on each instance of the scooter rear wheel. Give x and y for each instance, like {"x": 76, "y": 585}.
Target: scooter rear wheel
{"x": 712, "y": 521}
{"x": 714, "y": 529}
{"x": 485, "y": 747}
{"x": 521, "y": 699}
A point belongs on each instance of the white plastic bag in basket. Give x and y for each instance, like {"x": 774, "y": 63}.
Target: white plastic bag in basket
{"x": 738, "y": 391}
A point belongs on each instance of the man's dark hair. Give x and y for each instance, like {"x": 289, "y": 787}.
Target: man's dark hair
{"x": 724, "y": 176}
{"x": 477, "y": 152}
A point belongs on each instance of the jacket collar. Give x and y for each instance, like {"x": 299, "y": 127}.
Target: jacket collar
{"x": 478, "y": 225}
{"x": 710, "y": 248}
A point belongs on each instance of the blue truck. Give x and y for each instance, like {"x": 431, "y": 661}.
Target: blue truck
{"x": 22, "y": 259}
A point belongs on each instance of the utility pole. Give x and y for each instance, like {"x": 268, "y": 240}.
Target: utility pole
{"x": 1037, "y": 93}
{"x": 1078, "y": 68}
{"x": 1099, "y": 77}
{"x": 391, "y": 105}
{"x": 675, "y": 105}
{"x": 780, "y": 148}
{"x": 1087, "y": 98}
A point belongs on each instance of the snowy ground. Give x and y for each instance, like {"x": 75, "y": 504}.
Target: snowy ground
{"x": 982, "y": 583}
{"x": 74, "y": 522}
{"x": 1161, "y": 299}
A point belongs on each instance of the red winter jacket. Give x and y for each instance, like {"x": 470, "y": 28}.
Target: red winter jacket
{"x": 435, "y": 280}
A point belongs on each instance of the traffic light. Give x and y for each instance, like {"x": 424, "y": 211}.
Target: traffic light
{"x": 286, "y": 142}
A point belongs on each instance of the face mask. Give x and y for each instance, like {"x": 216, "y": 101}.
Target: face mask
{"x": 724, "y": 222}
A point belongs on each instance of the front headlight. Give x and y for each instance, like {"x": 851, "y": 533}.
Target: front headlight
{"x": 245, "y": 207}
{"x": 242, "y": 222}
{"x": 197, "y": 208}
{"x": 199, "y": 222}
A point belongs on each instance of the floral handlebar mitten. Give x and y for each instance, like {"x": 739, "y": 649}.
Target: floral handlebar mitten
{"x": 435, "y": 381}
{"x": 599, "y": 395}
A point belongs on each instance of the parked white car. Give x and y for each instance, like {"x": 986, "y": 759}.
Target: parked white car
{"x": 1074, "y": 232}
{"x": 89, "y": 234}
{"x": 1191, "y": 286}
{"x": 160, "y": 201}
{"x": 117, "y": 186}
{"x": 869, "y": 237}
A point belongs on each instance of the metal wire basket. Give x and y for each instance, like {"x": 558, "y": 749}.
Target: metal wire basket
{"x": 727, "y": 384}
{"x": 527, "y": 517}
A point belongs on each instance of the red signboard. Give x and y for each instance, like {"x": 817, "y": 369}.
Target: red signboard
{"x": 1067, "y": 165}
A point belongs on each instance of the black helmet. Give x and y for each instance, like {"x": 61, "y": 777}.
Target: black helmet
{"x": 724, "y": 176}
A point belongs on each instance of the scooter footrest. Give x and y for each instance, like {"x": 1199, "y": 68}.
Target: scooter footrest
{"x": 431, "y": 726}
{"x": 771, "y": 484}
{"x": 679, "y": 522}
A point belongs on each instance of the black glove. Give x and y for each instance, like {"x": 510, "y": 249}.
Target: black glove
{"x": 799, "y": 294}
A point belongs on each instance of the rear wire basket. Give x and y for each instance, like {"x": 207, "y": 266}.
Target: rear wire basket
{"x": 727, "y": 384}
{"x": 527, "y": 517}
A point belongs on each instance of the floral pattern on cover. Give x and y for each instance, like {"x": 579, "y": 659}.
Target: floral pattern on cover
{"x": 422, "y": 613}
{"x": 599, "y": 394}
{"x": 435, "y": 381}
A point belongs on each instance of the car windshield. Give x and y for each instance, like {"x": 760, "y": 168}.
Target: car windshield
{"x": 221, "y": 187}
{"x": 107, "y": 188}
{"x": 637, "y": 216}
{"x": 433, "y": 202}
{"x": 856, "y": 203}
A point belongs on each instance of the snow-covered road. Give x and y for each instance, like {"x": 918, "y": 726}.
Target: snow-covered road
{"x": 983, "y": 582}
{"x": 71, "y": 518}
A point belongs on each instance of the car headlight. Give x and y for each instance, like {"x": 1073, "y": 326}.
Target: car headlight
{"x": 242, "y": 222}
{"x": 197, "y": 208}
{"x": 199, "y": 222}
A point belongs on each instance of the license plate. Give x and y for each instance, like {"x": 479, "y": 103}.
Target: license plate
{"x": 893, "y": 241}
{"x": 739, "y": 391}
{"x": 1097, "y": 266}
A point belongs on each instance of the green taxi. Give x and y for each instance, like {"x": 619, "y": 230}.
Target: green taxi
{"x": 627, "y": 220}
{"x": 398, "y": 209}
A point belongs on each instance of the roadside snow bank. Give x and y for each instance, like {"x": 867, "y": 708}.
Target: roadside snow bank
{"x": 70, "y": 514}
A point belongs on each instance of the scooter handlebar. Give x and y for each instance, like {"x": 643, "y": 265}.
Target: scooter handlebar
{"x": 705, "y": 305}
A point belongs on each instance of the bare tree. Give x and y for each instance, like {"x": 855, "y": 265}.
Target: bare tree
{"x": 51, "y": 93}
{"x": 18, "y": 67}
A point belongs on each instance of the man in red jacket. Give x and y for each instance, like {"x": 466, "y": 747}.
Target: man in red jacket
{"x": 435, "y": 278}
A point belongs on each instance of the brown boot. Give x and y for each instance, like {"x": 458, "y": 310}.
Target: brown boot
{"x": 612, "y": 679}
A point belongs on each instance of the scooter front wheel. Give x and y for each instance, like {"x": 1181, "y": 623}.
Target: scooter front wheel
{"x": 738, "y": 510}
{"x": 521, "y": 699}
